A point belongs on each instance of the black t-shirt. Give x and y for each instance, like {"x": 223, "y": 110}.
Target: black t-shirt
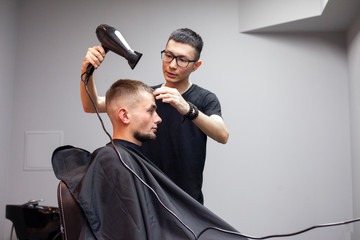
{"x": 180, "y": 147}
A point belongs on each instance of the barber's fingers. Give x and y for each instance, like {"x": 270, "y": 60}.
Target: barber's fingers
{"x": 175, "y": 100}
{"x": 165, "y": 97}
{"x": 168, "y": 95}
{"x": 100, "y": 49}
{"x": 166, "y": 90}
{"x": 94, "y": 56}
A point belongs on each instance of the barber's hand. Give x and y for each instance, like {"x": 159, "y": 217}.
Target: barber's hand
{"x": 94, "y": 56}
{"x": 172, "y": 96}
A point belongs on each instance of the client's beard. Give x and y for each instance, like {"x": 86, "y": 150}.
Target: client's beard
{"x": 143, "y": 137}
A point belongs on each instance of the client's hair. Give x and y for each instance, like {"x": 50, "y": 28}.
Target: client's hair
{"x": 125, "y": 87}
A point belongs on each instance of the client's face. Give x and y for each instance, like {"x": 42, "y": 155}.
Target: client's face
{"x": 145, "y": 118}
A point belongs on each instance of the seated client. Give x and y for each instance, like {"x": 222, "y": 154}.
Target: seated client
{"x": 122, "y": 194}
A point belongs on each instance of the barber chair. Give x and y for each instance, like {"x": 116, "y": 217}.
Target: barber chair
{"x": 34, "y": 222}
{"x": 72, "y": 218}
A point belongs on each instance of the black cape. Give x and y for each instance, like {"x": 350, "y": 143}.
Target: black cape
{"x": 128, "y": 198}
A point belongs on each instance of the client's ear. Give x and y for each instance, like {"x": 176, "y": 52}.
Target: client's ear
{"x": 123, "y": 115}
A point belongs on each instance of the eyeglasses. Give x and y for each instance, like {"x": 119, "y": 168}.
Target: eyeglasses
{"x": 181, "y": 61}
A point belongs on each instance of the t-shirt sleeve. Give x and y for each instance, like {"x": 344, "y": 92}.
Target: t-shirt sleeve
{"x": 211, "y": 105}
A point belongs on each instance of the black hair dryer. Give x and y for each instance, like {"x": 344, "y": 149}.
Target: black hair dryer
{"x": 111, "y": 39}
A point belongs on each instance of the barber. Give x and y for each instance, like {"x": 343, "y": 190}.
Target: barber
{"x": 190, "y": 113}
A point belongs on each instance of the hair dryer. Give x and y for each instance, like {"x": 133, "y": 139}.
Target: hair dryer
{"x": 111, "y": 39}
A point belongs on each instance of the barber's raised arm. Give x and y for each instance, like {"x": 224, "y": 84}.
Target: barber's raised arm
{"x": 94, "y": 56}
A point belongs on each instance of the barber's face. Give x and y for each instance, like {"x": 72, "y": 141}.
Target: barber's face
{"x": 172, "y": 72}
{"x": 145, "y": 118}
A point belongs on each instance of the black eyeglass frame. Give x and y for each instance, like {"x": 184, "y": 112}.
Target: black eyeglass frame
{"x": 176, "y": 58}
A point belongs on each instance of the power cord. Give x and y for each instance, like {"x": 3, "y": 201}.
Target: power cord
{"x": 283, "y": 235}
{"x": 197, "y": 237}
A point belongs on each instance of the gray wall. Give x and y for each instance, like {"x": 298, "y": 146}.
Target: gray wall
{"x": 8, "y": 28}
{"x": 285, "y": 100}
{"x": 354, "y": 80}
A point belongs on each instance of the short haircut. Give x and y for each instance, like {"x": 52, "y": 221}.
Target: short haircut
{"x": 125, "y": 88}
{"x": 188, "y": 36}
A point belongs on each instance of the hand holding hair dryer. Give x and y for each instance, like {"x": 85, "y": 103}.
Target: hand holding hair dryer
{"x": 111, "y": 39}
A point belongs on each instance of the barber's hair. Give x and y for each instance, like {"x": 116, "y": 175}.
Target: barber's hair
{"x": 188, "y": 36}
{"x": 126, "y": 88}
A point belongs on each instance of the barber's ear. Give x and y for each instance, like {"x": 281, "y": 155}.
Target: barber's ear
{"x": 123, "y": 115}
{"x": 196, "y": 65}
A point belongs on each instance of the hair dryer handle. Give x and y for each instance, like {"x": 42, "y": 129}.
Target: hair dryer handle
{"x": 90, "y": 69}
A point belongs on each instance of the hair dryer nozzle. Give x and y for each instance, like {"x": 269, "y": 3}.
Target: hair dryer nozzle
{"x": 111, "y": 39}
{"x": 135, "y": 60}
